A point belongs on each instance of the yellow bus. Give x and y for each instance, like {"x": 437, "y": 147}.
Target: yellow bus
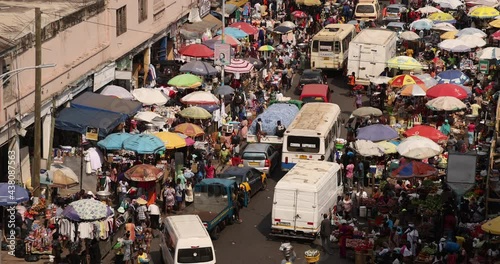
{"x": 330, "y": 46}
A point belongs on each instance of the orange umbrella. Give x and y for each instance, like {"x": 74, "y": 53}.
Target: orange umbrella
{"x": 144, "y": 173}
{"x": 404, "y": 79}
{"x": 189, "y": 129}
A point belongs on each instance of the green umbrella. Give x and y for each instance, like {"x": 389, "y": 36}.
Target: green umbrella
{"x": 266, "y": 48}
{"x": 195, "y": 112}
{"x": 186, "y": 81}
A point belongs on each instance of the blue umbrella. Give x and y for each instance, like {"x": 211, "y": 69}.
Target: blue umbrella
{"x": 377, "y": 132}
{"x": 211, "y": 44}
{"x": 452, "y": 76}
{"x": 144, "y": 144}
{"x": 235, "y": 32}
{"x": 113, "y": 141}
{"x": 11, "y": 194}
{"x": 199, "y": 68}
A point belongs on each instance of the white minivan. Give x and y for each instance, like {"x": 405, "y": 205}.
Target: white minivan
{"x": 186, "y": 240}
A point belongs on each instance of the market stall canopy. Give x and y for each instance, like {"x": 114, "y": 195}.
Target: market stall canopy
{"x": 77, "y": 120}
{"x": 149, "y": 96}
{"x": 171, "y": 140}
{"x": 117, "y": 91}
{"x": 377, "y": 132}
{"x": 238, "y": 3}
{"x": 200, "y": 98}
{"x": 12, "y": 194}
{"x": 442, "y": 17}
{"x": 289, "y": 24}
{"x": 426, "y": 131}
{"x": 285, "y": 113}
{"x": 189, "y": 141}
{"x": 404, "y": 79}
{"x": 148, "y": 116}
{"x": 444, "y": 27}
{"x": 490, "y": 53}
{"x": 414, "y": 90}
{"x": 417, "y": 147}
{"x": 245, "y": 27}
{"x": 366, "y": 111}
{"x": 86, "y": 210}
{"x": 449, "y": 35}
{"x": 414, "y": 169}
{"x": 495, "y": 23}
{"x": 404, "y": 63}
{"x": 113, "y": 141}
{"x": 450, "y": 4}
{"x": 239, "y": 66}
{"x": 195, "y": 112}
{"x": 144, "y": 173}
{"x": 448, "y": 89}
{"x": 211, "y": 44}
{"x": 454, "y": 45}
{"x": 186, "y": 81}
{"x": 143, "y": 144}
{"x": 197, "y": 51}
{"x": 368, "y": 148}
{"x": 60, "y": 176}
{"x": 428, "y": 10}
{"x": 380, "y": 80}
{"x": 190, "y": 130}
{"x": 228, "y": 39}
{"x": 282, "y": 29}
{"x": 224, "y": 90}
{"x": 388, "y": 147}
{"x": 452, "y": 76}
{"x": 473, "y": 41}
{"x": 484, "y": 12}
{"x": 492, "y": 3}
{"x": 199, "y": 68}
{"x": 492, "y": 226}
{"x": 93, "y": 101}
{"x": 266, "y": 48}
{"x": 197, "y": 29}
{"x": 471, "y": 31}
{"x": 422, "y": 24}
{"x": 237, "y": 33}
{"x": 446, "y": 103}
{"x": 409, "y": 36}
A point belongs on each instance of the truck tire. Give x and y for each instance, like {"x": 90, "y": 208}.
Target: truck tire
{"x": 215, "y": 233}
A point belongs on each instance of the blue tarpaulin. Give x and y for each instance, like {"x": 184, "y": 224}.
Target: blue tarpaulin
{"x": 285, "y": 113}
{"x": 93, "y": 101}
{"x": 77, "y": 120}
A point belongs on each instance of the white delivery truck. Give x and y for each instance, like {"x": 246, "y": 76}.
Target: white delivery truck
{"x": 369, "y": 52}
{"x": 309, "y": 190}
{"x": 186, "y": 240}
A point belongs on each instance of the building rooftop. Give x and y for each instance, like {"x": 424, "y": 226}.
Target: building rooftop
{"x": 17, "y": 18}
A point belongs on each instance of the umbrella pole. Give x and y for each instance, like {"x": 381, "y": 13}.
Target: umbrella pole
{"x": 81, "y": 162}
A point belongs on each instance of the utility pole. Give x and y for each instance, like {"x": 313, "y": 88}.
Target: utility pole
{"x": 52, "y": 127}
{"x": 35, "y": 177}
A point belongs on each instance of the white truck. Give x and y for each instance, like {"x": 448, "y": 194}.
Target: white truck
{"x": 309, "y": 190}
{"x": 369, "y": 52}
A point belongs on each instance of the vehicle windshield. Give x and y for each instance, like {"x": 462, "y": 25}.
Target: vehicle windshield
{"x": 393, "y": 10}
{"x": 253, "y": 156}
{"x": 310, "y": 77}
{"x": 394, "y": 28}
{"x": 303, "y": 144}
{"x": 365, "y": 9}
{"x": 195, "y": 255}
{"x": 311, "y": 99}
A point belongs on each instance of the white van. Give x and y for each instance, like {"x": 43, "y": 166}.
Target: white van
{"x": 309, "y": 190}
{"x": 186, "y": 240}
{"x": 368, "y": 10}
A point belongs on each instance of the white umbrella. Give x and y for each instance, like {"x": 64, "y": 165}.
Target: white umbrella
{"x": 417, "y": 147}
{"x": 368, "y": 148}
{"x": 117, "y": 91}
{"x": 471, "y": 31}
{"x": 491, "y": 3}
{"x": 490, "y": 53}
{"x": 444, "y": 26}
{"x": 429, "y": 10}
{"x": 147, "y": 116}
{"x": 446, "y": 103}
{"x": 239, "y": 66}
{"x": 472, "y": 41}
{"x": 449, "y": 44}
{"x": 427, "y": 79}
{"x": 289, "y": 24}
{"x": 149, "y": 96}
{"x": 380, "y": 80}
{"x": 200, "y": 98}
{"x": 409, "y": 35}
{"x": 451, "y": 4}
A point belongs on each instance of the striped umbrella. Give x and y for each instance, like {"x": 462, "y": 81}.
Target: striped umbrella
{"x": 239, "y": 66}
{"x": 414, "y": 90}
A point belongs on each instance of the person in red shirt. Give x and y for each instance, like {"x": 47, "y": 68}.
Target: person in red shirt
{"x": 471, "y": 128}
{"x": 236, "y": 160}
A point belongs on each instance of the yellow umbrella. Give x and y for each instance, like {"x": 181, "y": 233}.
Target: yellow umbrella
{"x": 495, "y": 23}
{"x": 387, "y": 146}
{"x": 171, "y": 140}
{"x": 492, "y": 226}
{"x": 441, "y": 17}
{"x": 312, "y": 2}
{"x": 404, "y": 63}
{"x": 484, "y": 12}
{"x": 449, "y": 35}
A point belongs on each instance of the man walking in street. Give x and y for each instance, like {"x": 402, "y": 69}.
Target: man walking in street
{"x": 325, "y": 232}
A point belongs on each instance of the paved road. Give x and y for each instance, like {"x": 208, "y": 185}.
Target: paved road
{"x": 247, "y": 243}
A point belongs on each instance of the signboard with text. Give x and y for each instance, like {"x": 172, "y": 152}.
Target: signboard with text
{"x": 222, "y": 54}
{"x": 484, "y": 66}
{"x": 204, "y": 8}
{"x": 92, "y": 133}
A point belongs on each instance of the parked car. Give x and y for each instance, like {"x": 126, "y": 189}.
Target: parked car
{"x": 398, "y": 27}
{"x": 309, "y": 77}
{"x": 264, "y": 157}
{"x": 252, "y": 179}
{"x": 394, "y": 12}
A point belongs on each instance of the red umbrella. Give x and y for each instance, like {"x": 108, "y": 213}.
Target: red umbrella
{"x": 496, "y": 35}
{"x": 426, "y": 131}
{"x": 299, "y": 14}
{"x": 197, "y": 51}
{"x": 245, "y": 27}
{"x": 414, "y": 169}
{"x": 447, "y": 89}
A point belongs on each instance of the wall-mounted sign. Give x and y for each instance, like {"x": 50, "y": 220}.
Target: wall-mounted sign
{"x": 484, "y": 66}
{"x": 92, "y": 133}
{"x": 204, "y": 8}
{"x": 104, "y": 76}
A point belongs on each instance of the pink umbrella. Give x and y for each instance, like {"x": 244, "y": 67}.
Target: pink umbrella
{"x": 245, "y": 27}
{"x": 228, "y": 39}
{"x": 239, "y": 66}
{"x": 299, "y": 14}
{"x": 189, "y": 141}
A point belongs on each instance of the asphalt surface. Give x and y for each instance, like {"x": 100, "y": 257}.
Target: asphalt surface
{"x": 248, "y": 243}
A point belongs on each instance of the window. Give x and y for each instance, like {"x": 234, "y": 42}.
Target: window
{"x": 254, "y": 156}
{"x": 326, "y": 46}
{"x": 195, "y": 255}
{"x": 303, "y": 144}
{"x": 315, "y": 46}
{"x": 143, "y": 10}
{"x": 121, "y": 20}
{"x": 336, "y": 47}
{"x": 365, "y": 9}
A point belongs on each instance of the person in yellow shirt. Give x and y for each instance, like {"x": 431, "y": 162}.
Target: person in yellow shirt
{"x": 409, "y": 52}
{"x": 475, "y": 109}
{"x": 142, "y": 257}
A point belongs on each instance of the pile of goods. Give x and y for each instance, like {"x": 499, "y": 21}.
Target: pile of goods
{"x": 430, "y": 206}
{"x": 368, "y": 202}
{"x": 359, "y": 244}
{"x": 312, "y": 255}
{"x": 38, "y": 208}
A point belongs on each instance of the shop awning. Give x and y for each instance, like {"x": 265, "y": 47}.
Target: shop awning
{"x": 78, "y": 119}
{"x": 105, "y": 103}
{"x": 238, "y": 3}
{"x": 196, "y": 30}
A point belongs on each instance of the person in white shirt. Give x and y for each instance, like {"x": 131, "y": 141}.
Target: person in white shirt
{"x": 123, "y": 189}
{"x": 154, "y": 215}
{"x": 412, "y": 237}
{"x": 257, "y": 10}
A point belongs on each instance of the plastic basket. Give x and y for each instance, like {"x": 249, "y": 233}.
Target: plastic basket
{"x": 312, "y": 259}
